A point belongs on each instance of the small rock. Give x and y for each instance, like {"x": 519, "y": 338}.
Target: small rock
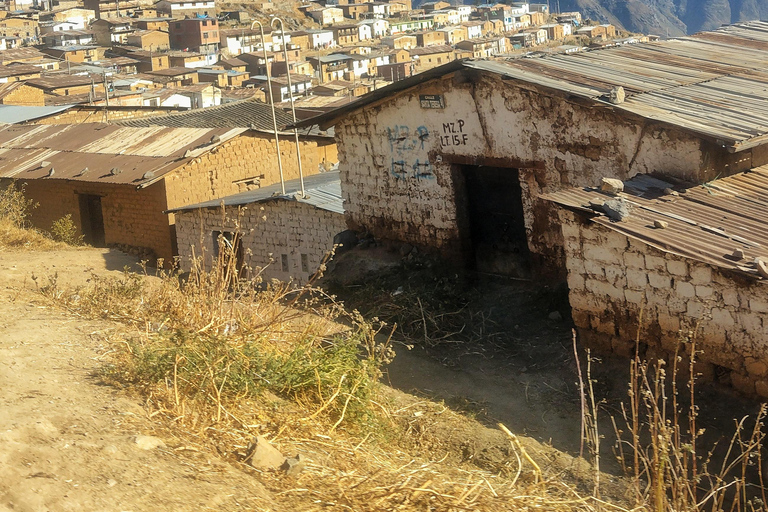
{"x": 617, "y": 95}
{"x": 263, "y": 455}
{"x": 670, "y": 192}
{"x": 148, "y": 442}
{"x": 111, "y": 482}
{"x": 660, "y": 224}
{"x": 738, "y": 254}
{"x": 616, "y": 209}
{"x": 405, "y": 250}
{"x": 293, "y": 465}
{"x": 762, "y": 267}
{"x": 611, "y": 185}
{"x": 596, "y": 203}
{"x": 556, "y": 316}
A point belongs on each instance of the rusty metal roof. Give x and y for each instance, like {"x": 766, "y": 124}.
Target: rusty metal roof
{"x": 706, "y": 222}
{"x": 102, "y": 153}
{"x": 714, "y": 84}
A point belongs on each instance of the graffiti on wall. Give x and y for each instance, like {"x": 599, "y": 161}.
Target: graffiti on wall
{"x": 409, "y": 158}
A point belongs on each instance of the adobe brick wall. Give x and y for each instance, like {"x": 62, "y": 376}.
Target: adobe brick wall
{"x": 212, "y": 175}
{"x": 396, "y": 157}
{"x": 269, "y": 231}
{"x": 26, "y": 96}
{"x": 131, "y": 217}
{"x": 612, "y": 278}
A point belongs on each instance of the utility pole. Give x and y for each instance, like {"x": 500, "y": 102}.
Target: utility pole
{"x": 106, "y": 95}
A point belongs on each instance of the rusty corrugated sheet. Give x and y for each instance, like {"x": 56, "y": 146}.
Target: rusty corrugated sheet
{"x": 714, "y": 84}
{"x": 706, "y": 222}
{"x": 103, "y": 153}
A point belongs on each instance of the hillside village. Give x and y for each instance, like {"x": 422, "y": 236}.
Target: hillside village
{"x": 504, "y": 140}
{"x": 517, "y": 149}
{"x": 186, "y": 55}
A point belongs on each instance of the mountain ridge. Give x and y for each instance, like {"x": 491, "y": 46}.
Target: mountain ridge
{"x": 668, "y": 17}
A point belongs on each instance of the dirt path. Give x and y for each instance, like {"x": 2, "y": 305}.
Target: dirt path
{"x": 67, "y": 443}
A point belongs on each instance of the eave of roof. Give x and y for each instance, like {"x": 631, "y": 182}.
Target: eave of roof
{"x": 711, "y": 84}
{"x": 705, "y": 222}
{"x": 322, "y": 191}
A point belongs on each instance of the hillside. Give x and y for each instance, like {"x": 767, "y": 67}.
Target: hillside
{"x": 668, "y": 17}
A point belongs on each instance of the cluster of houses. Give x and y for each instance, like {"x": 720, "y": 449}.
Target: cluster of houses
{"x": 186, "y": 55}
{"x": 637, "y": 173}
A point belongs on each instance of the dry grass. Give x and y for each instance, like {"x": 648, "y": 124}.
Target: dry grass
{"x": 15, "y": 238}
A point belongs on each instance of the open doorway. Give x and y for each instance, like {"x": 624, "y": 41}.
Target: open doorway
{"x": 491, "y": 220}
{"x": 228, "y": 250}
{"x": 91, "y": 220}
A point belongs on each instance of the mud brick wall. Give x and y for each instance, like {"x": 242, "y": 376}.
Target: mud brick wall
{"x": 25, "y": 96}
{"x": 213, "y": 175}
{"x": 269, "y": 230}
{"x": 399, "y": 162}
{"x": 131, "y": 217}
{"x": 612, "y": 278}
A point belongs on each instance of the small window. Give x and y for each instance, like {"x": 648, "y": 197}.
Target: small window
{"x": 284, "y": 262}
{"x": 305, "y": 263}
{"x": 205, "y": 23}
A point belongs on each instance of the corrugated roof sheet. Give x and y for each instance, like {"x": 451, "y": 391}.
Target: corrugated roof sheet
{"x": 102, "y": 153}
{"x": 322, "y": 191}
{"x": 714, "y": 84}
{"x": 705, "y": 222}
{"x": 251, "y": 113}
{"x": 12, "y": 114}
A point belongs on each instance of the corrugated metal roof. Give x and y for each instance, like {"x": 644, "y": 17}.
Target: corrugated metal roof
{"x": 322, "y": 191}
{"x": 12, "y": 114}
{"x": 705, "y": 222}
{"x": 102, "y": 153}
{"x": 250, "y": 113}
{"x": 714, "y": 84}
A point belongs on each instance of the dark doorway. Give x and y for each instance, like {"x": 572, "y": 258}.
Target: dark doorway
{"x": 92, "y": 220}
{"x": 228, "y": 250}
{"x": 493, "y": 223}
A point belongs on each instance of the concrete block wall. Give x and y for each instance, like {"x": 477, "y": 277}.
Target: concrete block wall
{"x": 618, "y": 285}
{"x": 269, "y": 230}
{"x": 131, "y": 217}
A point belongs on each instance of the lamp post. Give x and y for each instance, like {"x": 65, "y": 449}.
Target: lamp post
{"x": 272, "y": 105}
{"x": 290, "y": 95}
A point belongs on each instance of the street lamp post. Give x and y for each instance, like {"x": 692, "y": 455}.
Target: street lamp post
{"x": 290, "y": 94}
{"x": 272, "y": 105}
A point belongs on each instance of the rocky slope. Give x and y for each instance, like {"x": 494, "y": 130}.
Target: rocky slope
{"x": 667, "y": 17}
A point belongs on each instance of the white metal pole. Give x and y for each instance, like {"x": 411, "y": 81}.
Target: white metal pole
{"x": 272, "y": 105}
{"x": 290, "y": 95}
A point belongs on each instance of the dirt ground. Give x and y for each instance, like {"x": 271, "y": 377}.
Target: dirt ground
{"x": 67, "y": 443}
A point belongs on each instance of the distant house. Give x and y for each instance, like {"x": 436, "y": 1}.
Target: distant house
{"x": 279, "y": 236}
{"x": 18, "y": 72}
{"x": 176, "y": 76}
{"x": 68, "y": 85}
{"x": 69, "y": 38}
{"x": 401, "y": 41}
{"x": 345, "y": 34}
{"x": 223, "y": 77}
{"x": 109, "y": 31}
{"x": 236, "y": 41}
{"x": 153, "y": 40}
{"x": 196, "y": 34}
{"x": 180, "y": 9}
{"x": 431, "y": 57}
{"x": 76, "y": 53}
{"x": 327, "y": 15}
{"x": 485, "y": 47}
{"x": 379, "y": 27}
{"x": 202, "y": 95}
